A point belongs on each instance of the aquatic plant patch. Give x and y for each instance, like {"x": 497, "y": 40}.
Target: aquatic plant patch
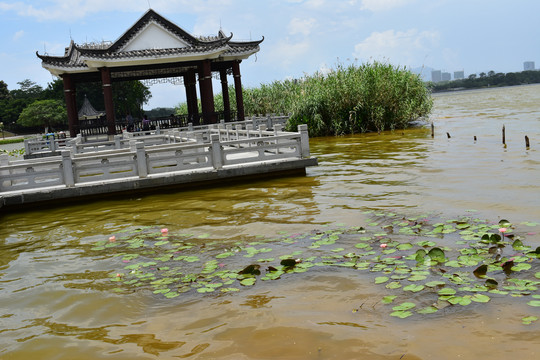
{"x": 450, "y": 264}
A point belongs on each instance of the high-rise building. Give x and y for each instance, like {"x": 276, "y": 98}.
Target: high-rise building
{"x": 436, "y": 76}
{"x": 459, "y": 75}
{"x": 528, "y": 65}
{"x": 446, "y": 76}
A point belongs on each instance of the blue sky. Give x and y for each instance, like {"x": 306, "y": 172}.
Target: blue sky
{"x": 301, "y": 36}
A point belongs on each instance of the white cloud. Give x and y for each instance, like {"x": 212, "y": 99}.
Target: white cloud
{"x": 301, "y": 26}
{"x": 315, "y": 4}
{"x": 286, "y": 53}
{"x": 55, "y": 10}
{"x": 404, "y": 48}
{"x": 382, "y": 5}
{"x": 19, "y": 34}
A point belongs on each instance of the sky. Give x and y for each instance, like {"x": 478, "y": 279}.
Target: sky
{"x": 300, "y": 36}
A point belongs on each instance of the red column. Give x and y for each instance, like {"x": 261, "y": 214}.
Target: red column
{"x": 225, "y": 94}
{"x": 207, "y": 94}
{"x": 71, "y": 105}
{"x": 190, "y": 83}
{"x": 107, "y": 94}
{"x": 238, "y": 90}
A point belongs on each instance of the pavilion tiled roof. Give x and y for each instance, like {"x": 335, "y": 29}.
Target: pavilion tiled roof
{"x": 77, "y": 57}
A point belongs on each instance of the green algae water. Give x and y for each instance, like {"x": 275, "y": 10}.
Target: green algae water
{"x": 101, "y": 279}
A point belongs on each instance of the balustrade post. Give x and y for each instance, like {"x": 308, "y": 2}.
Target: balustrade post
{"x": 67, "y": 168}
{"x": 27, "y": 147}
{"x": 262, "y": 128}
{"x": 117, "y": 141}
{"x": 190, "y": 126}
{"x": 140, "y": 154}
{"x": 176, "y": 136}
{"x": 277, "y": 128}
{"x": 304, "y": 140}
{"x": 4, "y": 161}
{"x": 52, "y": 145}
{"x": 158, "y": 130}
{"x": 229, "y": 129}
{"x": 249, "y": 128}
{"x": 217, "y": 160}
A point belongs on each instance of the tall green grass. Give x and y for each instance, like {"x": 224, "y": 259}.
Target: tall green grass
{"x": 351, "y": 99}
{"x": 348, "y": 99}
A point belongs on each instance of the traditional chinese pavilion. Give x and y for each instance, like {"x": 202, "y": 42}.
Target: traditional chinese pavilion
{"x": 155, "y": 48}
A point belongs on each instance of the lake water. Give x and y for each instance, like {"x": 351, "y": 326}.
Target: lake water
{"x": 60, "y": 298}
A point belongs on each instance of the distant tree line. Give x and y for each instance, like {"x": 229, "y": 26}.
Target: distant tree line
{"x": 490, "y": 79}
{"x": 31, "y": 108}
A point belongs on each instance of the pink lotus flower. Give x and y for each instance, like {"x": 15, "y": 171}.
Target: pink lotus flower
{"x": 164, "y": 231}
{"x": 383, "y": 246}
{"x": 112, "y": 238}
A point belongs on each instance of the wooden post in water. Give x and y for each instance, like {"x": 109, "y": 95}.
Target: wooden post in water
{"x": 432, "y": 130}
{"x": 474, "y": 138}
{"x": 448, "y": 135}
{"x": 527, "y": 145}
{"x": 503, "y": 136}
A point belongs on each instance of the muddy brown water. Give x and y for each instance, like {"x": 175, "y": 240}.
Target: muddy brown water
{"x": 56, "y": 302}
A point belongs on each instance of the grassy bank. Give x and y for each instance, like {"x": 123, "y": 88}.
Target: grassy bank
{"x": 11, "y": 141}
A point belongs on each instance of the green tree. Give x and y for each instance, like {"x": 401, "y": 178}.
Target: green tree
{"x": 27, "y": 90}
{"x": 4, "y": 92}
{"x": 43, "y": 113}
{"x": 12, "y": 105}
{"x": 129, "y": 97}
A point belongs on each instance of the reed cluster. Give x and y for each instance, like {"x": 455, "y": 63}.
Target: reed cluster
{"x": 352, "y": 99}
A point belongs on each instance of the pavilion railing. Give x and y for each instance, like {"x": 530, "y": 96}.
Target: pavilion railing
{"x": 99, "y": 126}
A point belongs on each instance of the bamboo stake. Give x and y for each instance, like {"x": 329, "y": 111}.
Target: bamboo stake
{"x": 527, "y": 145}
{"x": 503, "y": 136}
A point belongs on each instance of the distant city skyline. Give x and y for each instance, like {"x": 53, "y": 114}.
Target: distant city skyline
{"x": 440, "y": 75}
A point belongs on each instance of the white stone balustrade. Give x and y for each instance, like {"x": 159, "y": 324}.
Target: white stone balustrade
{"x": 213, "y": 148}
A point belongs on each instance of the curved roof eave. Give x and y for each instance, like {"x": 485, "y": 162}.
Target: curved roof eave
{"x": 96, "y": 63}
{"x": 60, "y": 70}
{"x": 238, "y": 56}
